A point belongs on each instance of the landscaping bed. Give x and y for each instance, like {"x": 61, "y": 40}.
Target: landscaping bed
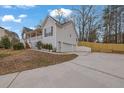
{"x": 16, "y": 61}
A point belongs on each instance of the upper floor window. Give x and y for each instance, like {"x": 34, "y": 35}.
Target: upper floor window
{"x": 48, "y": 31}
{"x": 51, "y": 30}
{"x": 45, "y": 34}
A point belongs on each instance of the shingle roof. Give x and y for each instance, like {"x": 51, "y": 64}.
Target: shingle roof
{"x": 27, "y": 29}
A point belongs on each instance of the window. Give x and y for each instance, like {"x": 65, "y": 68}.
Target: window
{"x": 48, "y": 32}
{"x": 45, "y": 33}
{"x": 51, "y": 30}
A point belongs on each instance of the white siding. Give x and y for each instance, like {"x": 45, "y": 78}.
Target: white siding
{"x": 67, "y": 36}
{"x": 68, "y": 47}
{"x": 50, "y": 39}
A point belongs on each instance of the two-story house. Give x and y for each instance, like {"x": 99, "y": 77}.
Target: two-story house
{"x": 62, "y": 36}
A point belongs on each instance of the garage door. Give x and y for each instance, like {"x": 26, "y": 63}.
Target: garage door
{"x": 67, "y": 47}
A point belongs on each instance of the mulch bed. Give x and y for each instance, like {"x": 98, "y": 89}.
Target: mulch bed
{"x": 29, "y": 59}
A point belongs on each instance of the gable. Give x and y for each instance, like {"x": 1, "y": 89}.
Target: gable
{"x": 48, "y": 20}
{"x": 68, "y": 25}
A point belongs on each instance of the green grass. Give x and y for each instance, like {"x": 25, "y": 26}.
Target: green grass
{"x": 4, "y": 55}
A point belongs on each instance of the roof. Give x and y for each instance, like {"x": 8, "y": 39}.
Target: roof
{"x": 2, "y": 28}
{"x": 57, "y": 22}
{"x": 10, "y": 33}
{"x": 27, "y": 29}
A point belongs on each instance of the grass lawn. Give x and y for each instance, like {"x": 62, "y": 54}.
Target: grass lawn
{"x": 16, "y": 61}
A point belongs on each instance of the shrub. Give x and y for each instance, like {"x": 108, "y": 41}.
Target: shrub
{"x": 50, "y": 47}
{"x": 1, "y": 45}
{"x": 39, "y": 44}
{"x": 5, "y": 42}
{"x": 18, "y": 46}
{"x": 47, "y": 46}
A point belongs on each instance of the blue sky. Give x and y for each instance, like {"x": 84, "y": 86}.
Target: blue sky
{"x": 15, "y": 18}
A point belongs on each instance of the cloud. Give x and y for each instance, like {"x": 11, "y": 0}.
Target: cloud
{"x": 18, "y": 6}
{"x": 32, "y": 28}
{"x": 66, "y": 12}
{"x": 25, "y": 6}
{"x": 7, "y": 6}
{"x": 22, "y": 16}
{"x": 10, "y": 18}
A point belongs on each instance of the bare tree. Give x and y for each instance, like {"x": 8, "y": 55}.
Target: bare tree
{"x": 60, "y": 15}
{"x": 93, "y": 23}
{"x": 85, "y": 20}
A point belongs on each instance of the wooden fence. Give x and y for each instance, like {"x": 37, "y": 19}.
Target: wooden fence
{"x": 103, "y": 47}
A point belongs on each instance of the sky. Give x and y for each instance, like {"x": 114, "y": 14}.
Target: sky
{"x": 14, "y": 18}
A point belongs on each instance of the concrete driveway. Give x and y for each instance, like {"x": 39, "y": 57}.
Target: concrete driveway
{"x": 88, "y": 70}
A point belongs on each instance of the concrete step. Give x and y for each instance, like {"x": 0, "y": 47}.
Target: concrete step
{"x": 83, "y": 49}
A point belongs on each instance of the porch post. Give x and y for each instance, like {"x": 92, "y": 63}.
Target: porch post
{"x": 36, "y": 35}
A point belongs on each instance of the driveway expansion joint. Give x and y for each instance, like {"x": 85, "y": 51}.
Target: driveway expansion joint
{"x": 13, "y": 79}
{"x": 97, "y": 70}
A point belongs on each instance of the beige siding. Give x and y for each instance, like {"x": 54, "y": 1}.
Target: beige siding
{"x": 2, "y": 33}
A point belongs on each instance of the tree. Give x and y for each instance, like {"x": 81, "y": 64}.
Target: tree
{"x": 112, "y": 17}
{"x": 84, "y": 12}
{"x": 106, "y": 18}
{"x": 85, "y": 17}
{"x": 60, "y": 15}
{"x": 5, "y": 41}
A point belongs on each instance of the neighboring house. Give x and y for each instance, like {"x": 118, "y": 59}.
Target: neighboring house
{"x": 63, "y": 37}
{"x": 9, "y": 34}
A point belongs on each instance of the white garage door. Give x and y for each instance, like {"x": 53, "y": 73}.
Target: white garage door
{"x": 67, "y": 47}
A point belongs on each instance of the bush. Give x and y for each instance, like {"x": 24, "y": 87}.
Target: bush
{"x": 50, "y": 47}
{"x": 47, "y": 46}
{"x": 5, "y": 42}
{"x": 18, "y": 46}
{"x": 1, "y": 45}
{"x": 39, "y": 44}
